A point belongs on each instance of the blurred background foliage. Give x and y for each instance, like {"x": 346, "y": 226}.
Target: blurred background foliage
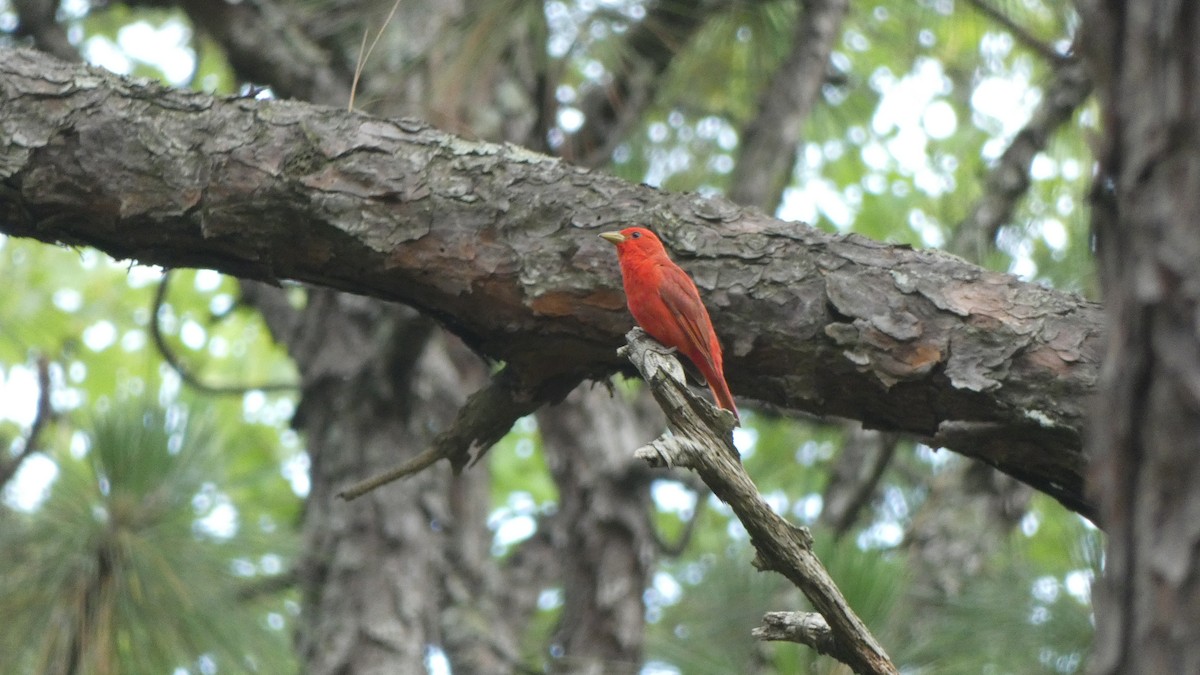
{"x": 156, "y": 523}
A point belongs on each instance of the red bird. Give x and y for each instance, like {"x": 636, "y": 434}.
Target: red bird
{"x": 666, "y": 304}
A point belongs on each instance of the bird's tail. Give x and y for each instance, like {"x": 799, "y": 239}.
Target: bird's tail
{"x": 724, "y": 398}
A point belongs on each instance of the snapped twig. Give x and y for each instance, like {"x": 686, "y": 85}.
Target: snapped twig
{"x": 701, "y": 439}
{"x": 483, "y": 420}
{"x": 806, "y": 628}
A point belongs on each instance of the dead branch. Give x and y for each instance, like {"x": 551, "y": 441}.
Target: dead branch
{"x": 701, "y": 439}
{"x": 482, "y": 421}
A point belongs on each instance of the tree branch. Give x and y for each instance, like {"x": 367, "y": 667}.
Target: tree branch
{"x": 497, "y": 244}
{"x": 674, "y": 549}
{"x": 1018, "y": 31}
{"x": 701, "y": 439}
{"x": 189, "y": 378}
{"x": 864, "y": 456}
{"x": 770, "y": 143}
{"x": 39, "y": 19}
{"x": 483, "y": 420}
{"x": 1008, "y": 181}
{"x": 265, "y": 586}
{"x": 612, "y": 107}
{"x": 41, "y": 418}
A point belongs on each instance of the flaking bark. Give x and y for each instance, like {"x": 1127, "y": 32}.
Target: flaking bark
{"x": 498, "y": 244}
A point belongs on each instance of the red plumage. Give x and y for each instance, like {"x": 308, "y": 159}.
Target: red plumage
{"x": 665, "y": 303}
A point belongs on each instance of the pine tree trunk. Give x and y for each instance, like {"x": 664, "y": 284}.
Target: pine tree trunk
{"x": 602, "y": 528}
{"x": 1146, "y": 430}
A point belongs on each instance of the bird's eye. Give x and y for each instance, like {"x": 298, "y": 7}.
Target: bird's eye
{"x": 636, "y": 235}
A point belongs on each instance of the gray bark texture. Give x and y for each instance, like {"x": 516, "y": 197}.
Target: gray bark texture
{"x": 498, "y": 244}
{"x": 1146, "y": 427}
{"x": 386, "y": 576}
{"x": 604, "y": 521}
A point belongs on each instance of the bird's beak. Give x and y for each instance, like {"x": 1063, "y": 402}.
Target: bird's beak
{"x": 613, "y": 237}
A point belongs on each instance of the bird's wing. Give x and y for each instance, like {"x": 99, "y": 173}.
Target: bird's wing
{"x": 680, "y": 296}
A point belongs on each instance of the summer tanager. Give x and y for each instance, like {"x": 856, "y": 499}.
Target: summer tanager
{"x": 665, "y": 303}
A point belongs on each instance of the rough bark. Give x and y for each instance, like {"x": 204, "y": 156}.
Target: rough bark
{"x": 1146, "y": 427}
{"x": 372, "y": 569}
{"x": 496, "y": 243}
{"x": 603, "y": 521}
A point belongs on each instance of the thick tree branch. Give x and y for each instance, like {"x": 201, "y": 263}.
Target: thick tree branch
{"x": 497, "y": 243}
{"x": 701, "y": 439}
